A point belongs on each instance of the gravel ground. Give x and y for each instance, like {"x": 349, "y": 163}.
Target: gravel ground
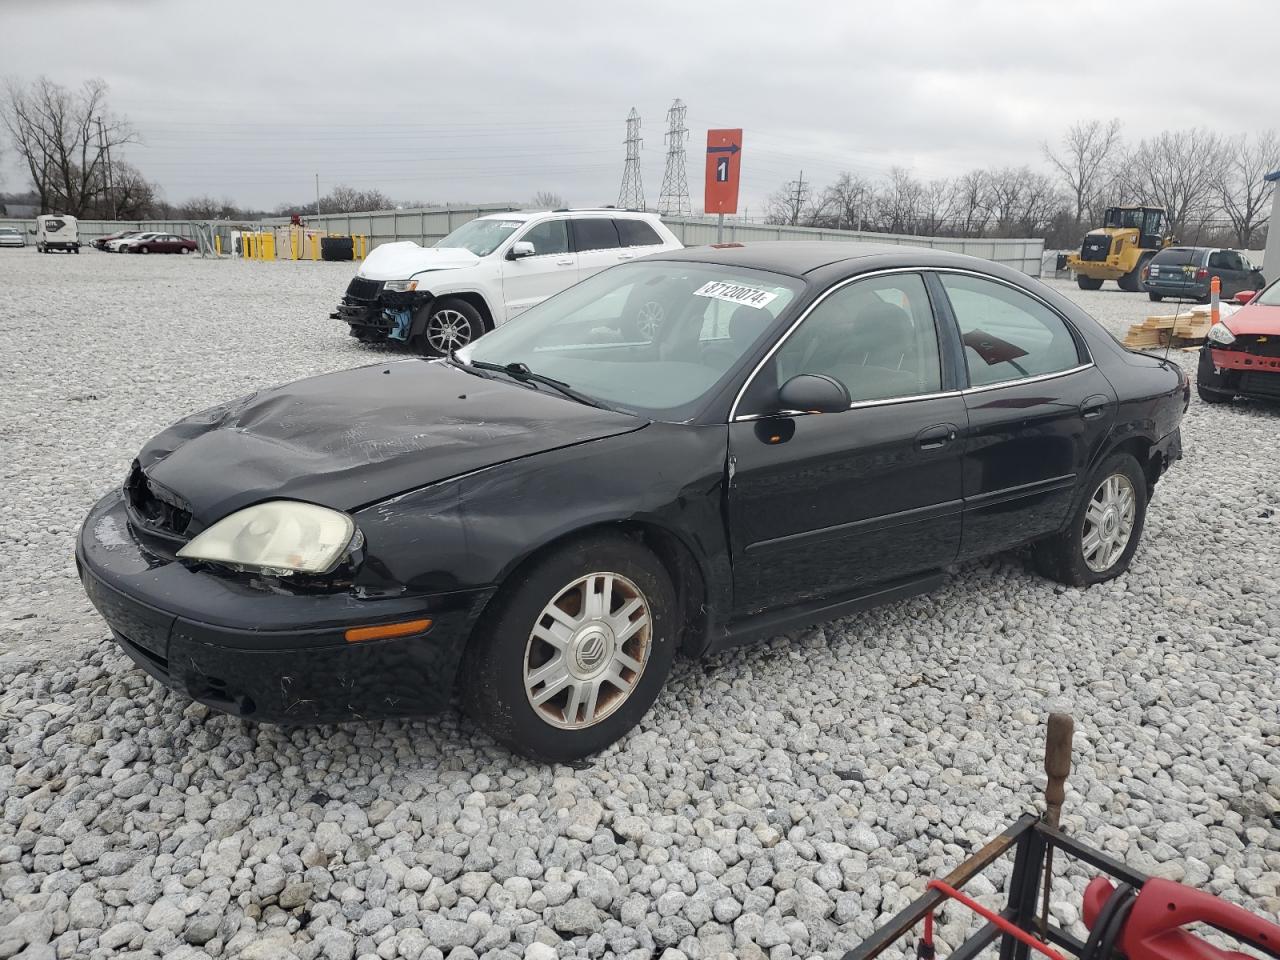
{"x": 778, "y": 801}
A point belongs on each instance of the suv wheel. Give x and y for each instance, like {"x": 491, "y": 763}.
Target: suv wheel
{"x": 574, "y": 649}
{"x": 451, "y": 325}
{"x": 1104, "y": 530}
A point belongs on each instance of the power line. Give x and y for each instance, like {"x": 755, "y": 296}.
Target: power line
{"x": 631, "y": 196}
{"x": 673, "y": 199}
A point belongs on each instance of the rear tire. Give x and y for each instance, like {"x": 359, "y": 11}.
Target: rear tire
{"x": 1088, "y": 283}
{"x": 510, "y": 662}
{"x": 451, "y": 324}
{"x": 1155, "y": 297}
{"x": 144, "y": 249}
{"x": 1105, "y": 528}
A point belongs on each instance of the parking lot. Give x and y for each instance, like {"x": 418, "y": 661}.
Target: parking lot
{"x": 778, "y": 801}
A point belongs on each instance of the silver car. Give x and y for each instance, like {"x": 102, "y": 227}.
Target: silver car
{"x": 12, "y": 237}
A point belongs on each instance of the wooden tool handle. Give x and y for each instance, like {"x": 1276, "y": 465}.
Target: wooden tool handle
{"x": 1057, "y": 764}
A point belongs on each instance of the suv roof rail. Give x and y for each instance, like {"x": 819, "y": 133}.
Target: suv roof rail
{"x": 610, "y": 208}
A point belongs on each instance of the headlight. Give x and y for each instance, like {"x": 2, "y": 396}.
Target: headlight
{"x": 400, "y": 286}
{"x": 1219, "y": 334}
{"x": 280, "y": 536}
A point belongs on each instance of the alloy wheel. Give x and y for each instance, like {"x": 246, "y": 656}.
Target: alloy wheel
{"x": 587, "y": 650}
{"x": 649, "y": 319}
{"x": 448, "y": 330}
{"x": 1108, "y": 522}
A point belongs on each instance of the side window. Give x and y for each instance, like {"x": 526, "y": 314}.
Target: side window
{"x": 548, "y": 237}
{"x": 595, "y": 234}
{"x": 1007, "y": 335}
{"x": 1218, "y": 260}
{"x": 1234, "y": 261}
{"x": 637, "y": 233}
{"x": 875, "y": 336}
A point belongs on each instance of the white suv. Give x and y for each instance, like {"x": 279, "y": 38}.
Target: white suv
{"x": 487, "y": 271}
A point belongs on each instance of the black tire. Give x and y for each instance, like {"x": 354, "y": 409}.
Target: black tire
{"x": 1155, "y": 297}
{"x": 444, "y": 315}
{"x": 1062, "y": 556}
{"x": 492, "y": 677}
{"x": 144, "y": 249}
{"x": 1207, "y": 395}
{"x": 337, "y": 248}
{"x": 1088, "y": 283}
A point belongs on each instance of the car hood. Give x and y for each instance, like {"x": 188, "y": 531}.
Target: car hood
{"x": 399, "y": 261}
{"x": 346, "y": 440}
{"x": 1255, "y": 319}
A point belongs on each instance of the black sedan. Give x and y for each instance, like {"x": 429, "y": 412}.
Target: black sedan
{"x": 544, "y": 519}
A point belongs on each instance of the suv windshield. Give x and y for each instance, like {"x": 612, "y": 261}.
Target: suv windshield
{"x": 651, "y": 337}
{"x": 481, "y": 237}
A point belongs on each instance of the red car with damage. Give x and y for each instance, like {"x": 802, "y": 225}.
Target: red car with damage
{"x": 1241, "y": 357}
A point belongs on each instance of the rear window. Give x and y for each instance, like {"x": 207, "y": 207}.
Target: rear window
{"x": 637, "y": 233}
{"x": 1178, "y": 256}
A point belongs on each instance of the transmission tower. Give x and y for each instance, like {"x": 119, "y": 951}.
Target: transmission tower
{"x": 631, "y": 196}
{"x": 673, "y": 201}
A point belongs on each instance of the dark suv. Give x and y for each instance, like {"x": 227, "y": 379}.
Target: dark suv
{"x": 1185, "y": 273}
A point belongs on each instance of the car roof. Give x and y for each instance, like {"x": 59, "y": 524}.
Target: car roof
{"x": 523, "y": 215}
{"x": 799, "y": 257}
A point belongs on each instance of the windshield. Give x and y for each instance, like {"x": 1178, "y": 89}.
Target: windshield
{"x": 652, "y": 337}
{"x": 1269, "y": 296}
{"x": 481, "y": 237}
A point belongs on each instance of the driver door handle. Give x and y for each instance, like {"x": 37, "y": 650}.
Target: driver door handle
{"x": 564, "y": 263}
{"x": 626, "y": 256}
{"x": 935, "y": 438}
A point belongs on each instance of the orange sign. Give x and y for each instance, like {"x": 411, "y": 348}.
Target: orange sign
{"x": 724, "y": 163}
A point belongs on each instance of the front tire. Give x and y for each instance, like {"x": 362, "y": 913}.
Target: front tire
{"x": 1211, "y": 396}
{"x": 574, "y": 649}
{"x": 1155, "y": 297}
{"x": 451, "y": 325}
{"x": 1088, "y": 283}
{"x": 1105, "y": 527}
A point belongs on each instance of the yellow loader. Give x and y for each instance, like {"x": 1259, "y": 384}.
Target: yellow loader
{"x": 1120, "y": 248}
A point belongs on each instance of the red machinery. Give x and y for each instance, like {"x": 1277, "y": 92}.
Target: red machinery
{"x": 1138, "y": 917}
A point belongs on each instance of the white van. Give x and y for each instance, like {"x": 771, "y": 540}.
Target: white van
{"x": 57, "y": 232}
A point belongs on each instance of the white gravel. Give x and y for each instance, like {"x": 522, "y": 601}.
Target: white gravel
{"x": 779, "y": 801}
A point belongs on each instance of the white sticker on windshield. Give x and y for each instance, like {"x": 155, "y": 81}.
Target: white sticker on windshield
{"x": 736, "y": 293}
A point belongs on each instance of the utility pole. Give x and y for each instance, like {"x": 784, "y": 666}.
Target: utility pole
{"x": 317, "y": 194}
{"x": 631, "y": 196}
{"x": 673, "y": 200}
{"x": 105, "y": 149}
{"x": 797, "y": 195}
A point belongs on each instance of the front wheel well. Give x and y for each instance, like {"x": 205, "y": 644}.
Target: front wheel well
{"x": 675, "y": 556}
{"x": 474, "y": 299}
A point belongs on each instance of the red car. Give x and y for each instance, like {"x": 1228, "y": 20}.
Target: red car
{"x": 1241, "y": 356}
{"x": 161, "y": 243}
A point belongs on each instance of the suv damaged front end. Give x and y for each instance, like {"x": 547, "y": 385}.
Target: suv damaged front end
{"x": 379, "y": 310}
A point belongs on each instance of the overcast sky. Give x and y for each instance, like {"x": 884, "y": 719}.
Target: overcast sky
{"x": 492, "y": 100}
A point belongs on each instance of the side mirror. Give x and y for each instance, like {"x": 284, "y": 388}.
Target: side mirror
{"x": 1244, "y": 296}
{"x": 814, "y": 393}
{"x": 521, "y": 249}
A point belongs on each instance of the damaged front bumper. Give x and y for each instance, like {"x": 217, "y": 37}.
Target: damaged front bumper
{"x": 258, "y": 651}
{"x": 373, "y": 314}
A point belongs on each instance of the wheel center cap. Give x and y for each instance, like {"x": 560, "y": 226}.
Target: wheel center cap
{"x": 590, "y": 651}
{"x": 1110, "y": 521}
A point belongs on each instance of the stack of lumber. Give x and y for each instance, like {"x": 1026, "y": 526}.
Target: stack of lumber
{"x": 1176, "y": 330}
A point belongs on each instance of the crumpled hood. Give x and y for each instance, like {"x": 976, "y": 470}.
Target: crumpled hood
{"x": 400, "y": 261}
{"x": 345, "y": 440}
{"x": 1254, "y": 319}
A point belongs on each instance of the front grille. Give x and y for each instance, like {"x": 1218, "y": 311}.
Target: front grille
{"x": 362, "y": 288}
{"x": 1261, "y": 385}
{"x": 155, "y": 508}
{"x": 1268, "y": 346}
{"x": 1095, "y": 248}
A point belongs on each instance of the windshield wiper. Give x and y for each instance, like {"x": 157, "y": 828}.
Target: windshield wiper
{"x": 520, "y": 371}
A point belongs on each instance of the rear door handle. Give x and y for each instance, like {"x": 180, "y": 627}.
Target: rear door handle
{"x": 626, "y": 256}
{"x": 935, "y": 438}
{"x": 564, "y": 263}
{"x": 1091, "y": 408}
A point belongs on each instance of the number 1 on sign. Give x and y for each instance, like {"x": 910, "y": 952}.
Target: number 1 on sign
{"x": 722, "y": 170}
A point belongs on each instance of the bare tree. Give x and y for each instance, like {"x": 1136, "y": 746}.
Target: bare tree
{"x": 1085, "y": 151}
{"x": 937, "y": 203}
{"x": 898, "y": 204}
{"x": 1244, "y": 195}
{"x": 788, "y": 204}
{"x": 1176, "y": 170}
{"x": 547, "y": 199}
{"x": 63, "y": 137}
{"x": 970, "y": 204}
{"x": 344, "y": 199}
{"x": 847, "y": 200}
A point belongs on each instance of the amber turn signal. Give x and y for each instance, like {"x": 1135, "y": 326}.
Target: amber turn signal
{"x": 385, "y": 631}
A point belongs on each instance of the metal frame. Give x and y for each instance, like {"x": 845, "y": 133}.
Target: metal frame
{"x": 1032, "y": 842}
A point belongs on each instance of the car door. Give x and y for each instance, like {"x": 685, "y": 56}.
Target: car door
{"x": 829, "y": 505}
{"x": 597, "y": 244}
{"x": 637, "y": 237}
{"x": 527, "y": 281}
{"x": 1220, "y": 267}
{"x": 1038, "y": 411}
